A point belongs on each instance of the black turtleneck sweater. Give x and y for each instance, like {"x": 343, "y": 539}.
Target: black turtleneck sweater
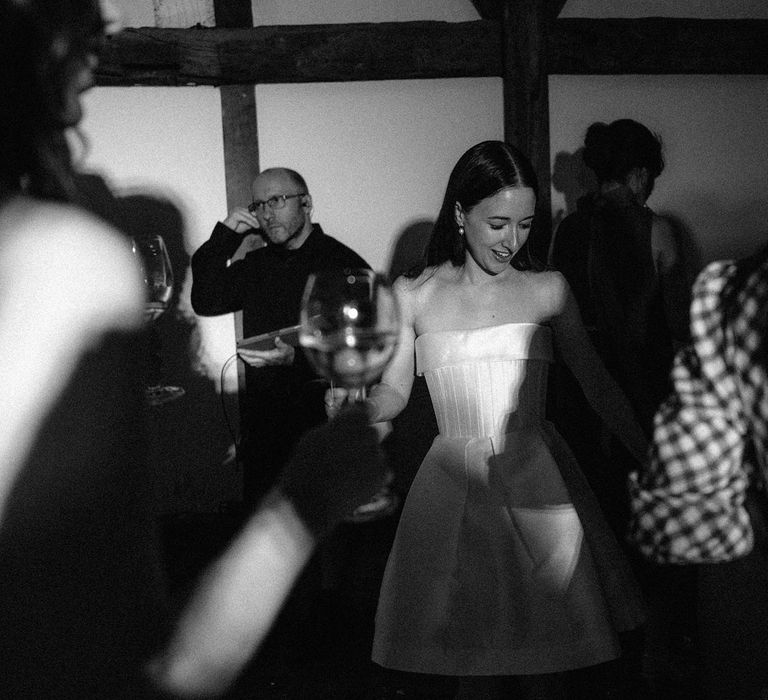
{"x": 280, "y": 403}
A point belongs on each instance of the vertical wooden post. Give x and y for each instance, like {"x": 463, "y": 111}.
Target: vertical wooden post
{"x": 526, "y": 98}
{"x": 241, "y": 145}
{"x": 240, "y": 133}
{"x": 238, "y": 123}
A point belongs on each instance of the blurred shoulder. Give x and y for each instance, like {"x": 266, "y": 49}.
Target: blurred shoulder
{"x": 77, "y": 260}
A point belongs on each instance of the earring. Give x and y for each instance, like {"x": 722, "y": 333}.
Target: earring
{"x": 461, "y": 230}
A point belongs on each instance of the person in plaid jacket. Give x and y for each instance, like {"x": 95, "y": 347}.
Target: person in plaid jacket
{"x": 701, "y": 500}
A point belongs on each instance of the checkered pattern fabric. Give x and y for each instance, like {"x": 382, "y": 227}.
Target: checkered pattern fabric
{"x": 688, "y": 504}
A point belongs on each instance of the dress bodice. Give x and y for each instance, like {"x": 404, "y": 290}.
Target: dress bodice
{"x": 486, "y": 381}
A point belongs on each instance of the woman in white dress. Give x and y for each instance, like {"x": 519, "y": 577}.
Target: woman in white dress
{"x": 502, "y": 565}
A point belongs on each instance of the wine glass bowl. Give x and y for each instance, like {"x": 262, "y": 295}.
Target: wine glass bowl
{"x": 350, "y": 324}
{"x": 155, "y": 264}
{"x": 349, "y": 329}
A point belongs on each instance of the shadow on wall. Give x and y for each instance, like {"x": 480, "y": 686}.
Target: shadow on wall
{"x": 191, "y": 446}
{"x": 409, "y": 247}
{"x": 572, "y": 179}
{"x": 415, "y": 428}
{"x": 734, "y": 229}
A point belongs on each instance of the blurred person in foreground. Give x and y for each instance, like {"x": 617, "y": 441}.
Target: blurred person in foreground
{"x": 83, "y": 598}
{"x": 702, "y": 500}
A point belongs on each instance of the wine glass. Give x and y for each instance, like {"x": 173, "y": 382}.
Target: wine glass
{"x": 349, "y": 328}
{"x": 155, "y": 264}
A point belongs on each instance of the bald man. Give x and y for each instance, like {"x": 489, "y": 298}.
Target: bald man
{"x": 283, "y": 396}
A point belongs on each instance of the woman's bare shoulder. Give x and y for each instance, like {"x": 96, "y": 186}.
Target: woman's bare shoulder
{"x": 548, "y": 281}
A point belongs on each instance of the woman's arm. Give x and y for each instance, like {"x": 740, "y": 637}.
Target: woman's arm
{"x": 388, "y": 398}
{"x": 600, "y": 389}
{"x": 67, "y": 279}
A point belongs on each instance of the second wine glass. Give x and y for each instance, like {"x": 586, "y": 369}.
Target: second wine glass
{"x": 155, "y": 264}
{"x": 152, "y": 256}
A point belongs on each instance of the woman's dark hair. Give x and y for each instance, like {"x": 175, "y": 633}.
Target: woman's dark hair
{"x": 41, "y": 45}
{"x": 482, "y": 171}
{"x": 613, "y": 150}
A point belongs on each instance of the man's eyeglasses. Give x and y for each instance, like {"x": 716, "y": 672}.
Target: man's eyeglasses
{"x": 276, "y": 202}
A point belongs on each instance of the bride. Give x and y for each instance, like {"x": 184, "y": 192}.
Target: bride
{"x": 502, "y": 565}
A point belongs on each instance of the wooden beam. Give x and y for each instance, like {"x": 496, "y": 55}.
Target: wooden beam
{"x": 657, "y": 46}
{"x": 489, "y": 9}
{"x": 241, "y": 149}
{"x": 301, "y": 53}
{"x": 397, "y": 51}
{"x": 526, "y": 98}
{"x": 233, "y": 13}
{"x": 241, "y": 143}
{"x": 554, "y": 8}
{"x": 238, "y": 114}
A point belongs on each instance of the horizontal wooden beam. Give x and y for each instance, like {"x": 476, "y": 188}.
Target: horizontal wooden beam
{"x": 302, "y": 53}
{"x": 658, "y": 45}
{"x": 404, "y": 50}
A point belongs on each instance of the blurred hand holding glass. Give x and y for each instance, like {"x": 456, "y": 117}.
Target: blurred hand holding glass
{"x": 349, "y": 328}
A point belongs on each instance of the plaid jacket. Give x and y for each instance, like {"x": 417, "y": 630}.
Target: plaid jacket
{"x": 688, "y": 504}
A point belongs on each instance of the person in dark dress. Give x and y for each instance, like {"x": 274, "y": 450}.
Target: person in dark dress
{"x": 624, "y": 264}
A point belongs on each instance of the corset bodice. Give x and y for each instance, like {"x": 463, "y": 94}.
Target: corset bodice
{"x": 486, "y": 381}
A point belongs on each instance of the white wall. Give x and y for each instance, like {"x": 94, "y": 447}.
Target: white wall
{"x": 342, "y": 11}
{"x": 169, "y": 141}
{"x": 703, "y": 9}
{"x": 376, "y": 155}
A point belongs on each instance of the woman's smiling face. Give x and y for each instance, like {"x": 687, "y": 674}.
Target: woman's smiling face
{"x": 497, "y": 227}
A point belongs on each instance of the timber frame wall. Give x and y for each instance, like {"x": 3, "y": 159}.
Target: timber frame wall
{"x": 521, "y": 41}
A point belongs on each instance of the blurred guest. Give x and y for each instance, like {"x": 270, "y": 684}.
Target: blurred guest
{"x": 82, "y": 590}
{"x": 703, "y": 500}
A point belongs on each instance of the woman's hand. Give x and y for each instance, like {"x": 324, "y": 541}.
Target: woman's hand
{"x": 336, "y": 397}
